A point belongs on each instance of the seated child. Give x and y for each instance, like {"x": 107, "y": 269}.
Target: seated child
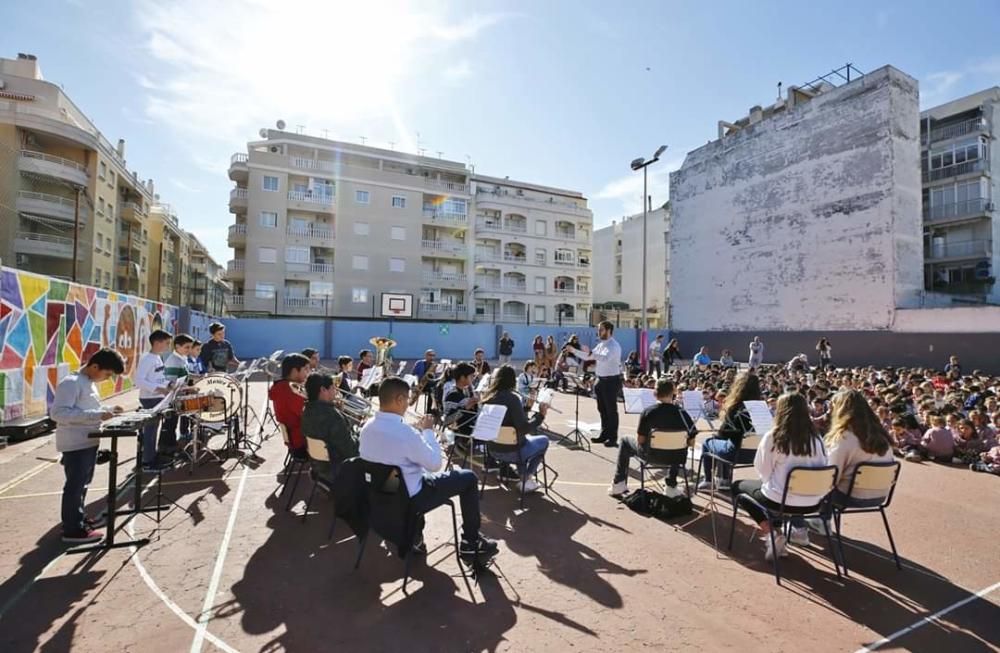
{"x": 938, "y": 443}
{"x": 988, "y": 462}
{"x": 906, "y": 434}
{"x": 968, "y": 444}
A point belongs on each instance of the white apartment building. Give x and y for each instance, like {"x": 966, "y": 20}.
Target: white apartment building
{"x": 618, "y": 256}
{"x": 960, "y": 194}
{"x": 323, "y": 228}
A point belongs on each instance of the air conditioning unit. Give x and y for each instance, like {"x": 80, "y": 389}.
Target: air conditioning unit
{"x": 274, "y": 149}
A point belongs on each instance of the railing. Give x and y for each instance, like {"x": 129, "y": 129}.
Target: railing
{"x": 576, "y": 208}
{"x": 444, "y": 245}
{"x": 310, "y": 164}
{"x": 441, "y": 308}
{"x": 967, "y": 248}
{"x": 446, "y": 216}
{"x": 487, "y": 255}
{"x": 136, "y": 208}
{"x": 565, "y": 291}
{"x": 310, "y": 197}
{"x": 583, "y": 264}
{"x": 483, "y": 225}
{"x": 569, "y": 262}
{"x": 515, "y": 315}
{"x": 239, "y": 157}
{"x": 309, "y": 232}
{"x": 236, "y": 265}
{"x": 971, "y": 126}
{"x": 517, "y": 228}
{"x": 310, "y": 268}
{"x": 234, "y": 300}
{"x": 514, "y": 258}
{"x": 48, "y": 197}
{"x": 452, "y": 186}
{"x": 58, "y": 160}
{"x": 954, "y": 170}
{"x": 238, "y": 194}
{"x": 443, "y": 276}
{"x": 566, "y": 234}
{"x": 237, "y": 230}
{"x": 306, "y": 302}
{"x": 44, "y": 238}
{"x": 954, "y": 210}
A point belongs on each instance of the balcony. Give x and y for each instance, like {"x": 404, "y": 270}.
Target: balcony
{"x": 236, "y": 269}
{"x": 516, "y": 258}
{"x": 488, "y": 225}
{"x": 441, "y": 310}
{"x": 516, "y": 226}
{"x": 316, "y": 271}
{"x": 132, "y": 212}
{"x": 959, "y": 250}
{"x": 43, "y": 245}
{"x": 445, "y": 279}
{"x": 237, "y": 235}
{"x": 48, "y": 205}
{"x": 55, "y": 167}
{"x": 238, "y": 200}
{"x": 310, "y": 164}
{"x": 309, "y": 201}
{"x": 446, "y": 218}
{"x": 318, "y": 236}
{"x": 957, "y": 210}
{"x": 444, "y": 248}
{"x": 514, "y": 315}
{"x": 238, "y": 169}
{"x": 564, "y": 262}
{"x": 306, "y": 305}
{"x": 488, "y": 255}
{"x": 447, "y": 186}
{"x": 252, "y": 303}
{"x": 968, "y": 167}
{"x": 489, "y": 194}
{"x": 973, "y": 126}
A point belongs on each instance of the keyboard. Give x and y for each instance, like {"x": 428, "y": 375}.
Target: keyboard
{"x": 126, "y": 421}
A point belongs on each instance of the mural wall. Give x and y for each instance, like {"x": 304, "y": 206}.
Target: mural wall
{"x": 48, "y": 327}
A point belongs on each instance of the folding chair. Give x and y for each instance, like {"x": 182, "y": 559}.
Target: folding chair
{"x": 508, "y": 437}
{"x": 809, "y": 481}
{"x": 669, "y": 448}
{"x": 390, "y": 508}
{"x": 874, "y": 478}
{"x": 318, "y": 453}
{"x": 292, "y": 465}
{"x": 747, "y": 445}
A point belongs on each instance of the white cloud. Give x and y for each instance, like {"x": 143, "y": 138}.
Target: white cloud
{"x": 624, "y": 194}
{"x": 946, "y": 85}
{"x": 458, "y": 71}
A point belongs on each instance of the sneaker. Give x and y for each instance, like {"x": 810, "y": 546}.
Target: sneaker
{"x": 483, "y": 548}
{"x": 815, "y": 524}
{"x": 95, "y": 522}
{"x": 85, "y": 536}
{"x": 509, "y": 474}
{"x": 780, "y": 543}
{"x": 913, "y": 456}
{"x": 618, "y": 489}
{"x": 530, "y": 485}
{"x": 704, "y": 485}
{"x": 799, "y": 536}
{"x": 611, "y": 443}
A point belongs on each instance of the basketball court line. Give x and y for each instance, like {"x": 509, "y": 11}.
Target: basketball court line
{"x": 928, "y": 619}
{"x": 37, "y": 469}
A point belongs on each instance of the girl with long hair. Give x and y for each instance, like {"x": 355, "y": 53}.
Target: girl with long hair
{"x": 530, "y": 449}
{"x": 792, "y": 442}
{"x": 538, "y": 349}
{"x": 735, "y": 424}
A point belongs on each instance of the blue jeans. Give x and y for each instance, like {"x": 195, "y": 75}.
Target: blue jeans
{"x": 531, "y": 451}
{"x": 438, "y": 488}
{"x": 79, "y": 468}
{"x": 727, "y": 450}
{"x": 149, "y": 433}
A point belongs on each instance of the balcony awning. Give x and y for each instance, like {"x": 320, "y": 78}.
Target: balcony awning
{"x": 53, "y": 180}
{"x": 48, "y": 222}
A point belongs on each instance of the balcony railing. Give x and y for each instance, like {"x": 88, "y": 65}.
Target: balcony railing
{"x": 961, "y": 249}
{"x": 516, "y": 227}
{"x": 504, "y": 195}
{"x": 566, "y": 291}
{"x": 48, "y": 204}
{"x": 44, "y": 244}
{"x": 310, "y": 164}
{"x": 322, "y": 233}
{"x": 455, "y": 187}
{"x": 310, "y": 197}
{"x": 973, "y": 126}
{"x": 953, "y": 210}
{"x": 445, "y": 216}
{"x": 239, "y": 157}
{"x": 235, "y": 301}
{"x": 310, "y": 268}
{"x": 954, "y": 170}
{"x": 441, "y": 309}
{"x": 515, "y": 316}
{"x": 237, "y": 231}
{"x": 455, "y": 277}
{"x": 236, "y": 265}
{"x": 310, "y": 303}
{"x": 567, "y": 262}
{"x": 483, "y": 225}
{"x": 510, "y": 257}
{"x": 238, "y": 194}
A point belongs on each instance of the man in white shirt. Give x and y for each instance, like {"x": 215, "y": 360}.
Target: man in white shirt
{"x": 655, "y": 351}
{"x": 386, "y": 439}
{"x": 151, "y": 379}
{"x": 608, "y": 354}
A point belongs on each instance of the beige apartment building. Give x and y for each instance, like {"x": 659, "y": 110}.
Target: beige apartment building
{"x": 323, "y": 228}
{"x": 203, "y": 284}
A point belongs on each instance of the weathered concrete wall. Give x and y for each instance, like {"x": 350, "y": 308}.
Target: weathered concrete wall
{"x": 808, "y": 220}
{"x": 629, "y": 231}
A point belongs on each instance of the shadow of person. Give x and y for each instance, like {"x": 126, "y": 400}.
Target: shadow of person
{"x": 875, "y": 594}
{"x": 306, "y": 590}
{"x": 545, "y": 531}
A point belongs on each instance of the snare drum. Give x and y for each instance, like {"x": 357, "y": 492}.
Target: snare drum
{"x": 194, "y": 403}
{"x": 225, "y": 396}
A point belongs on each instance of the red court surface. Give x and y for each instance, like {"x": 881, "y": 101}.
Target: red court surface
{"x": 577, "y": 571}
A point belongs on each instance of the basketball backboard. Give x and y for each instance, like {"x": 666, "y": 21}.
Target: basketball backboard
{"x": 397, "y": 305}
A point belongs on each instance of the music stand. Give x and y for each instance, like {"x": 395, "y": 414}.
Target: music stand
{"x": 268, "y": 367}
{"x": 579, "y": 439}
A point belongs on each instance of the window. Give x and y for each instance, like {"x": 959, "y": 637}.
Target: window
{"x": 267, "y": 255}
{"x": 296, "y": 255}
{"x": 103, "y": 170}
{"x": 264, "y": 290}
{"x": 361, "y": 196}
{"x": 361, "y": 229}
{"x": 540, "y": 227}
{"x": 398, "y": 233}
{"x": 107, "y": 278}
{"x": 359, "y": 262}
{"x": 540, "y": 284}
{"x": 398, "y": 202}
{"x": 539, "y": 314}
{"x": 397, "y": 265}
{"x": 540, "y": 256}
{"x": 270, "y": 183}
{"x": 359, "y": 295}
{"x": 454, "y": 206}
{"x": 100, "y": 204}
{"x": 321, "y": 289}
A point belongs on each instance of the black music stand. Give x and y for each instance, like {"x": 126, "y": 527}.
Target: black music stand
{"x": 576, "y": 435}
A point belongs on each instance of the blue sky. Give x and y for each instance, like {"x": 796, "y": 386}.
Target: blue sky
{"x": 561, "y": 93}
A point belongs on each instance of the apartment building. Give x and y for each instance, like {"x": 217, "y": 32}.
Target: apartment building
{"x": 961, "y": 238}
{"x": 323, "y": 228}
{"x": 168, "y": 251}
{"x": 57, "y": 170}
{"x": 618, "y": 255}
{"x": 204, "y": 286}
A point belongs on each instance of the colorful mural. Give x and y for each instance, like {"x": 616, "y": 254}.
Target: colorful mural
{"x": 48, "y": 327}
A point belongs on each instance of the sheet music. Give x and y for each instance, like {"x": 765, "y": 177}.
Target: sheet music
{"x": 410, "y": 380}
{"x": 370, "y": 376}
{"x": 402, "y": 366}
{"x": 760, "y": 416}
{"x": 489, "y": 421}
{"x": 545, "y": 396}
{"x": 693, "y": 403}
{"x": 638, "y": 399}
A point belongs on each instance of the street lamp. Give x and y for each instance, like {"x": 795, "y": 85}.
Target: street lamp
{"x": 642, "y": 164}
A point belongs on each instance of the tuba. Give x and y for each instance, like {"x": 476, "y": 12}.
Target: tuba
{"x": 382, "y": 358}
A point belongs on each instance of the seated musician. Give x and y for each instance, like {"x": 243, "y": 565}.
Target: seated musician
{"x": 176, "y": 368}
{"x": 322, "y": 420}
{"x": 531, "y": 447}
{"x": 364, "y": 361}
{"x": 313, "y": 356}
{"x": 77, "y": 411}
{"x": 461, "y": 407}
{"x": 482, "y": 367}
{"x": 524, "y": 381}
{"x": 346, "y": 366}
{"x": 664, "y": 416}
{"x": 289, "y": 403}
{"x": 388, "y": 440}
{"x": 195, "y": 365}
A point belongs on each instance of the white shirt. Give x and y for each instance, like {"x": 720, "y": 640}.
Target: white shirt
{"x": 76, "y": 410}
{"x": 149, "y": 376}
{"x": 388, "y": 440}
{"x": 607, "y": 353}
{"x": 654, "y": 349}
{"x": 773, "y": 467}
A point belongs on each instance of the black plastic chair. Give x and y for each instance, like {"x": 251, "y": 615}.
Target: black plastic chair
{"x": 747, "y": 446}
{"x": 292, "y": 466}
{"x": 873, "y": 478}
{"x": 669, "y": 448}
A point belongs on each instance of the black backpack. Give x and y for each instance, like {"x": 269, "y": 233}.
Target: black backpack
{"x": 651, "y": 503}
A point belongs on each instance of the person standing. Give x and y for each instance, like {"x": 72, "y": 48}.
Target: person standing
{"x": 756, "y": 353}
{"x": 671, "y": 353}
{"x": 655, "y": 362}
{"x": 608, "y": 356}
{"x": 151, "y": 379}
{"x": 505, "y": 348}
{"x": 825, "y": 353}
{"x": 538, "y": 351}
{"x": 217, "y": 353}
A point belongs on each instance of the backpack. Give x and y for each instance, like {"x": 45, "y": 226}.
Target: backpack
{"x": 651, "y": 503}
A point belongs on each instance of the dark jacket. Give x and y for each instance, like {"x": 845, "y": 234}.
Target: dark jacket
{"x": 350, "y": 495}
{"x": 389, "y": 510}
{"x": 506, "y": 346}
{"x": 515, "y": 417}
{"x": 322, "y": 420}
{"x": 736, "y": 425}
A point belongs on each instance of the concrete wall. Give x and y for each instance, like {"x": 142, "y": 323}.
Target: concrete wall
{"x": 607, "y": 258}
{"x": 808, "y": 220}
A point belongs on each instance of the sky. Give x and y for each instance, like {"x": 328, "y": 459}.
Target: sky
{"x": 562, "y": 93}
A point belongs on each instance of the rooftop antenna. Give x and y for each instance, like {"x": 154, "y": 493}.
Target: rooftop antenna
{"x": 364, "y": 139}
{"x": 421, "y": 150}
{"x": 326, "y": 134}
{"x": 440, "y": 154}
{"x": 779, "y": 90}
{"x": 392, "y": 145}
{"x": 299, "y": 129}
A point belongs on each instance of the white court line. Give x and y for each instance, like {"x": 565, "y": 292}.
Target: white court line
{"x": 37, "y": 469}
{"x": 220, "y": 560}
{"x": 928, "y": 619}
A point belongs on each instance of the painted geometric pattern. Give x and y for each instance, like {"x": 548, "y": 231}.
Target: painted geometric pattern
{"x": 50, "y": 327}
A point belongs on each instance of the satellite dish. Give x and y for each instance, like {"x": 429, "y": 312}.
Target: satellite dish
{"x": 281, "y": 125}
{"x": 263, "y": 132}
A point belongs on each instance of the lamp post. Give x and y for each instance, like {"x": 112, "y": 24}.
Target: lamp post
{"x": 642, "y": 164}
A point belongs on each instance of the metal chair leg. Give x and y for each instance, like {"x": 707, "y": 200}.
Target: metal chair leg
{"x": 361, "y": 549}
{"x": 833, "y": 550}
{"x": 406, "y": 571}
{"x": 840, "y": 540}
{"x": 775, "y": 552}
{"x": 333, "y": 525}
{"x": 285, "y": 471}
{"x": 642, "y": 475}
{"x": 892, "y": 543}
{"x": 309, "y": 501}
{"x": 297, "y": 467}
{"x": 732, "y": 524}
